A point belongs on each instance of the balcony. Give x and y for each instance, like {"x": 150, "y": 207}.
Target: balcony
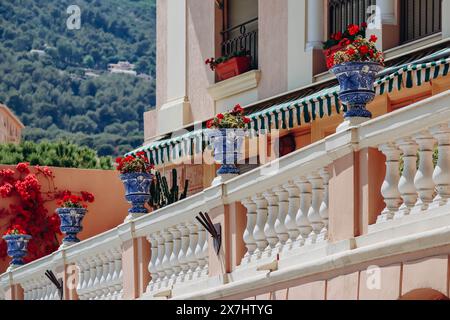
{"x": 242, "y": 37}
{"x": 342, "y": 202}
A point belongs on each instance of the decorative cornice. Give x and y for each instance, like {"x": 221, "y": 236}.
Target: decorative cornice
{"x": 235, "y": 85}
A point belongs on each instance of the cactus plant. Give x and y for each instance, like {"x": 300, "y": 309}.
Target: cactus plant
{"x": 161, "y": 195}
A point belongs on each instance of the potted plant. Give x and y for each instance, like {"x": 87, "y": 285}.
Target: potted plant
{"x": 226, "y": 132}
{"x": 17, "y": 243}
{"x": 340, "y": 40}
{"x": 232, "y": 65}
{"x": 356, "y": 67}
{"x": 136, "y": 175}
{"x": 71, "y": 211}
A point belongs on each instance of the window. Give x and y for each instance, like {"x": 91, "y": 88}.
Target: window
{"x": 419, "y": 18}
{"x": 344, "y": 12}
{"x": 241, "y": 28}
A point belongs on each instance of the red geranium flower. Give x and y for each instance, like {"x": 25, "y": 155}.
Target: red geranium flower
{"x": 364, "y": 25}
{"x": 373, "y": 38}
{"x": 220, "y": 116}
{"x": 338, "y": 36}
{"x": 353, "y": 29}
{"x": 364, "y": 50}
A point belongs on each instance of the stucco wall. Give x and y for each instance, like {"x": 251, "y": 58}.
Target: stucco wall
{"x": 201, "y": 38}
{"x": 109, "y": 209}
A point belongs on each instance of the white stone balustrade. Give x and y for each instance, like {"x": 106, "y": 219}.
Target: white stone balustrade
{"x": 287, "y": 216}
{"x": 179, "y": 256}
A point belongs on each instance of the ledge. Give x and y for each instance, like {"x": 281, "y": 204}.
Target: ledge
{"x": 235, "y": 85}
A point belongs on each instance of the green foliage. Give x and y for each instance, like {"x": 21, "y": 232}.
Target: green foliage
{"x": 161, "y": 195}
{"x": 51, "y": 94}
{"x": 55, "y": 154}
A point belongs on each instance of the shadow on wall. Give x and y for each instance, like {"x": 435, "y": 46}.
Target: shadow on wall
{"x": 424, "y": 294}
{"x": 109, "y": 209}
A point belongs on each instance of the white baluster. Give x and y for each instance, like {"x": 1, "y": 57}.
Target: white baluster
{"x": 93, "y": 273}
{"x": 325, "y": 175}
{"x": 294, "y": 204}
{"x": 249, "y": 240}
{"x": 303, "y": 224}
{"x": 99, "y": 271}
{"x": 161, "y": 253}
{"x": 182, "y": 257}
{"x": 199, "y": 254}
{"x": 261, "y": 218}
{"x": 193, "y": 239}
{"x": 152, "y": 265}
{"x": 118, "y": 285}
{"x": 205, "y": 251}
{"x": 110, "y": 277}
{"x": 314, "y": 211}
{"x": 389, "y": 189}
{"x": 441, "y": 175}
{"x": 283, "y": 208}
{"x": 406, "y": 185}
{"x": 272, "y": 209}
{"x": 423, "y": 180}
{"x": 81, "y": 278}
{"x": 102, "y": 292}
{"x": 168, "y": 249}
{"x": 176, "y": 268}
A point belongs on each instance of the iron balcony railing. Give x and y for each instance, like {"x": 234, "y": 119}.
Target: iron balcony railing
{"x": 242, "y": 37}
{"x": 419, "y": 18}
{"x": 345, "y": 12}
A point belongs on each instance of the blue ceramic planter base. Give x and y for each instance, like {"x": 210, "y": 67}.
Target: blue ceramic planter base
{"x": 356, "y": 80}
{"x": 228, "y": 169}
{"x": 17, "y": 248}
{"x": 137, "y": 192}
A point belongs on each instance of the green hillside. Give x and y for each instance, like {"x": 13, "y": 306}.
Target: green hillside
{"x": 50, "y": 90}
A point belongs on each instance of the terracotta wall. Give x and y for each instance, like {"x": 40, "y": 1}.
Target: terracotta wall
{"x": 109, "y": 209}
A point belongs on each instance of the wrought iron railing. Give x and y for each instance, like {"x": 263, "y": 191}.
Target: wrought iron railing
{"x": 419, "y": 18}
{"x": 345, "y": 12}
{"x": 242, "y": 37}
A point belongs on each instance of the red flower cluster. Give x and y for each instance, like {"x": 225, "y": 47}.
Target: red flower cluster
{"x": 352, "y": 46}
{"x": 69, "y": 200}
{"x": 15, "y": 230}
{"x": 232, "y": 119}
{"x": 138, "y": 163}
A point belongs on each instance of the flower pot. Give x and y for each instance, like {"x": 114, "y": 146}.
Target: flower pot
{"x": 233, "y": 67}
{"x": 137, "y": 192}
{"x": 356, "y": 80}
{"x": 71, "y": 219}
{"x": 227, "y": 144}
{"x": 17, "y": 248}
{"x": 333, "y": 49}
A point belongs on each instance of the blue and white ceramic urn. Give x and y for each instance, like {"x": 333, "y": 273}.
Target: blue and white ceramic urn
{"x": 137, "y": 192}
{"x": 17, "y": 245}
{"x": 227, "y": 144}
{"x": 356, "y": 80}
{"x": 71, "y": 219}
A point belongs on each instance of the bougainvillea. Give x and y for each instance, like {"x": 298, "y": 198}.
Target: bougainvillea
{"x": 233, "y": 119}
{"x": 28, "y": 211}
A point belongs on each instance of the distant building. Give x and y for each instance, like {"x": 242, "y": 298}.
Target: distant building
{"x": 38, "y": 52}
{"x": 10, "y": 126}
{"x": 122, "y": 67}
